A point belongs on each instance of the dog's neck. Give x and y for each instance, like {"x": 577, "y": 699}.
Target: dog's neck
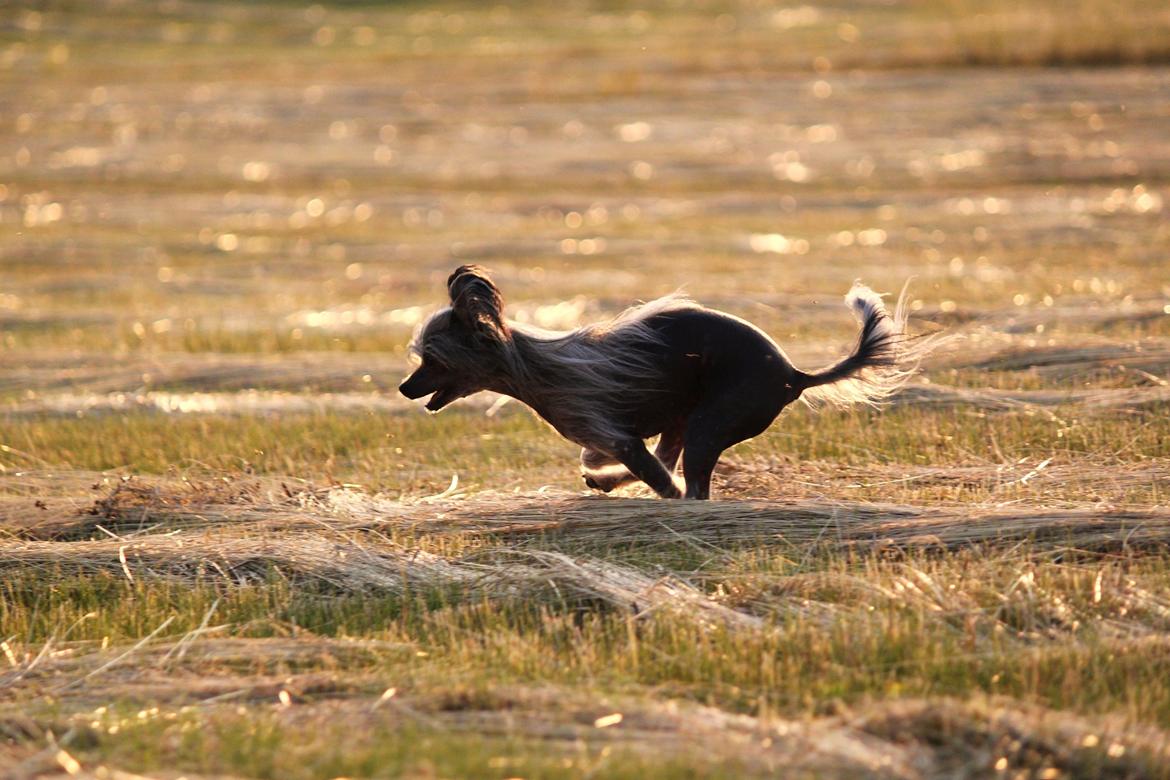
{"x": 525, "y": 377}
{"x": 518, "y": 377}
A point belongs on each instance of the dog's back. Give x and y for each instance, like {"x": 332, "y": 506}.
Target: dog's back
{"x": 700, "y": 353}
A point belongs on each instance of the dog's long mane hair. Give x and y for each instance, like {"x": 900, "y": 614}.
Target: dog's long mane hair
{"x": 580, "y": 379}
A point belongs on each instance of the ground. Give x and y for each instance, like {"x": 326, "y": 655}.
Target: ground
{"x": 230, "y": 549}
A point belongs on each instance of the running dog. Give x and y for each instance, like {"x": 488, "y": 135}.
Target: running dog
{"x": 699, "y": 379}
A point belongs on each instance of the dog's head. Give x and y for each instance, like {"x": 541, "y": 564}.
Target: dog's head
{"x": 460, "y": 347}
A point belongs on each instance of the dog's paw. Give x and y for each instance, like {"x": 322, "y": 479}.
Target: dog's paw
{"x": 592, "y": 483}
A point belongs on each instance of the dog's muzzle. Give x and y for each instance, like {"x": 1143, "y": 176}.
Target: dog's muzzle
{"x": 413, "y": 389}
{"x": 421, "y": 384}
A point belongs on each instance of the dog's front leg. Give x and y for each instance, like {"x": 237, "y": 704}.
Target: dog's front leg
{"x": 632, "y": 453}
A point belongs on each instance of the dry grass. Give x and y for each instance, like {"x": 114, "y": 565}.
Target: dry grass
{"x": 295, "y": 687}
{"x": 909, "y": 739}
{"x": 550, "y": 587}
{"x": 147, "y": 512}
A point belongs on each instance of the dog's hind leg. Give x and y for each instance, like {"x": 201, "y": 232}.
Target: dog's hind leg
{"x": 718, "y": 424}
{"x": 670, "y": 446}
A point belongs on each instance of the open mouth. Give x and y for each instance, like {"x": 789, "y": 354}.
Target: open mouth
{"x": 441, "y": 398}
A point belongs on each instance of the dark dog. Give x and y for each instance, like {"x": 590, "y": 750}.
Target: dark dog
{"x": 701, "y": 379}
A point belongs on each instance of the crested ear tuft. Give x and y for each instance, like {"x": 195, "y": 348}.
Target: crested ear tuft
{"x": 477, "y": 301}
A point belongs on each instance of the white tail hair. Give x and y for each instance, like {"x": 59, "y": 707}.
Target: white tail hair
{"x": 882, "y": 362}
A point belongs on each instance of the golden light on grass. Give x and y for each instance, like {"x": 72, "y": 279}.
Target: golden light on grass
{"x": 634, "y": 132}
{"x": 67, "y": 762}
{"x": 125, "y": 564}
{"x": 256, "y": 171}
{"x": 606, "y": 721}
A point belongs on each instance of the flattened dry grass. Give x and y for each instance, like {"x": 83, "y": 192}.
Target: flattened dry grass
{"x": 247, "y": 615}
{"x": 744, "y": 575}
{"x": 902, "y": 740}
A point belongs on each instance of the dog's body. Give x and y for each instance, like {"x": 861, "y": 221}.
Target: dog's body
{"x": 699, "y": 379}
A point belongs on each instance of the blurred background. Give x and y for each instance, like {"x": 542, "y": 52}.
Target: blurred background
{"x": 200, "y": 198}
{"x": 221, "y": 222}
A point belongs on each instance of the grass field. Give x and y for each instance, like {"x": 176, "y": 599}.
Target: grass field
{"x": 229, "y": 548}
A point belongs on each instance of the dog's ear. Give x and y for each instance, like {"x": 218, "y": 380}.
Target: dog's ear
{"x": 477, "y": 302}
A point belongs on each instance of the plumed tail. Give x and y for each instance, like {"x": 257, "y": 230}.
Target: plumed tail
{"x": 882, "y": 362}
